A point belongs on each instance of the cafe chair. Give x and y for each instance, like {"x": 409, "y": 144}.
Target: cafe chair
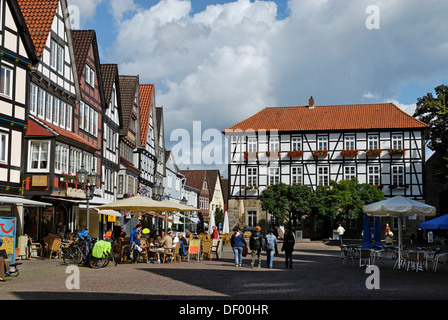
{"x": 34, "y": 245}
{"x": 413, "y": 261}
{"x": 365, "y": 255}
{"x": 347, "y": 254}
{"x": 441, "y": 257}
{"x": 55, "y": 246}
{"x": 172, "y": 253}
{"x": 206, "y": 247}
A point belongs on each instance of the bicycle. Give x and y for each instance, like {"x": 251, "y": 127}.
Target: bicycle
{"x": 80, "y": 252}
{"x": 442, "y": 241}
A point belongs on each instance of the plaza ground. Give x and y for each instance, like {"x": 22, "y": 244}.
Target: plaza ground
{"x": 317, "y": 274}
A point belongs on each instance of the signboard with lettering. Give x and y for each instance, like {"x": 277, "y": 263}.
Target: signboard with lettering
{"x": 39, "y": 181}
{"x": 194, "y": 248}
{"x": 8, "y": 235}
{"x": 76, "y": 193}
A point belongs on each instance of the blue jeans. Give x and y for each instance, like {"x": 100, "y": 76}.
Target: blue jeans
{"x": 238, "y": 253}
{"x": 288, "y": 259}
{"x": 340, "y": 239}
{"x": 270, "y": 256}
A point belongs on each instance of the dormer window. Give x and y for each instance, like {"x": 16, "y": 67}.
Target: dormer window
{"x": 56, "y": 56}
{"x": 90, "y": 76}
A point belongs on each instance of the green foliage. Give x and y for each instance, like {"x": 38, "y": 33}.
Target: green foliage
{"x": 340, "y": 200}
{"x": 434, "y": 112}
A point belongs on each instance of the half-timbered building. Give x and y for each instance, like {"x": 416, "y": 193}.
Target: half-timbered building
{"x": 112, "y": 122}
{"x": 54, "y": 148}
{"x": 310, "y": 145}
{"x": 160, "y": 169}
{"x": 17, "y": 57}
{"x": 146, "y": 151}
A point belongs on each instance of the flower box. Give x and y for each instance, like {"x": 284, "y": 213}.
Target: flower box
{"x": 320, "y": 153}
{"x": 295, "y": 154}
{"x": 378, "y": 186}
{"x": 397, "y": 152}
{"x": 349, "y": 153}
{"x": 250, "y": 154}
{"x": 373, "y": 152}
{"x": 250, "y": 187}
{"x": 268, "y": 153}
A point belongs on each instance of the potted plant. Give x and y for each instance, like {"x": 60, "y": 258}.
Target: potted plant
{"x": 268, "y": 153}
{"x": 397, "y": 152}
{"x": 248, "y": 154}
{"x": 295, "y": 154}
{"x": 320, "y": 153}
{"x": 349, "y": 153}
{"x": 373, "y": 152}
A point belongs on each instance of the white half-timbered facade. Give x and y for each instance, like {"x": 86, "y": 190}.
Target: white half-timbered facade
{"x": 310, "y": 145}
{"x": 17, "y": 56}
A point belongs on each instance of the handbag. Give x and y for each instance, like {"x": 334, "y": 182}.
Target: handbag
{"x": 244, "y": 251}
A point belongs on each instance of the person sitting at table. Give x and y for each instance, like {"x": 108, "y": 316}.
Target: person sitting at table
{"x": 165, "y": 243}
{"x": 183, "y": 239}
{"x": 138, "y": 247}
{"x": 4, "y": 266}
{"x": 138, "y": 229}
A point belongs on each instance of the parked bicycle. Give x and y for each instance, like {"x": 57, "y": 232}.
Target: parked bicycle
{"x": 442, "y": 241}
{"x": 80, "y": 252}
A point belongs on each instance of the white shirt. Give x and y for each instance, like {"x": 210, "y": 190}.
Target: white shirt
{"x": 340, "y": 230}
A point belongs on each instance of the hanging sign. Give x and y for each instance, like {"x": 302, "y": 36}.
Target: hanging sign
{"x": 8, "y": 235}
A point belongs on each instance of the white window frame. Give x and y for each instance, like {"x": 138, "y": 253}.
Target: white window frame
{"x": 373, "y": 175}
{"x": 349, "y": 172}
{"x": 90, "y": 76}
{"x": 41, "y": 103}
{"x": 397, "y": 141}
{"x": 6, "y": 87}
{"x": 56, "y": 56}
{"x": 274, "y": 175}
{"x": 397, "y": 174}
{"x": 62, "y": 113}
{"x": 56, "y": 111}
{"x": 296, "y": 175}
{"x": 252, "y": 144}
{"x": 296, "y": 143}
{"x": 322, "y": 143}
{"x": 349, "y": 143}
{"x": 33, "y": 99}
{"x": 252, "y": 176}
{"x": 61, "y": 161}
{"x": 323, "y": 176}
{"x": 373, "y": 141}
{"x": 69, "y": 117}
{"x": 48, "y": 107}
{"x": 39, "y": 160}
{"x": 274, "y": 144}
{"x": 4, "y": 145}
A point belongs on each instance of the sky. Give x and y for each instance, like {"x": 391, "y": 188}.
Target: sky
{"x": 221, "y": 61}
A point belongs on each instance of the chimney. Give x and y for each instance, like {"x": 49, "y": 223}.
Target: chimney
{"x": 311, "y": 103}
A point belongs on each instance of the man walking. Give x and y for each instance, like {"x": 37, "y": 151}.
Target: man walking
{"x": 340, "y": 231}
{"x": 256, "y": 243}
{"x": 271, "y": 247}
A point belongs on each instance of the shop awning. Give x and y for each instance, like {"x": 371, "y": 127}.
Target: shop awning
{"x": 23, "y": 201}
{"x": 109, "y": 212}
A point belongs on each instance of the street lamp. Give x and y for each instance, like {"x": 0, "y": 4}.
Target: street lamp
{"x": 89, "y": 181}
{"x": 184, "y": 201}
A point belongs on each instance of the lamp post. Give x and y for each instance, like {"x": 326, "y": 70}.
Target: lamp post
{"x": 157, "y": 192}
{"x": 88, "y": 181}
{"x": 184, "y": 201}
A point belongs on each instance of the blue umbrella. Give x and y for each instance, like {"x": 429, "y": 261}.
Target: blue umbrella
{"x": 377, "y": 232}
{"x": 366, "y": 239}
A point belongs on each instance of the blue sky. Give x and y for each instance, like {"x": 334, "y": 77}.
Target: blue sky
{"x": 220, "y": 61}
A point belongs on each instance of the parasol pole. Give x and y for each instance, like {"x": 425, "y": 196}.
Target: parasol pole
{"x": 399, "y": 241}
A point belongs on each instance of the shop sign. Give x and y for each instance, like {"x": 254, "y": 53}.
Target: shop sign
{"x": 39, "y": 181}
{"x": 76, "y": 193}
{"x": 8, "y": 235}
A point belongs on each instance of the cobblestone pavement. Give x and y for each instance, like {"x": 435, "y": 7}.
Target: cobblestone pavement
{"x": 317, "y": 274}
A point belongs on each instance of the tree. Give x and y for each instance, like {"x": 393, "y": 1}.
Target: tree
{"x": 434, "y": 112}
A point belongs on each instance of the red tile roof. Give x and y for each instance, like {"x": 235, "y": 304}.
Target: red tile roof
{"x": 327, "y": 118}
{"x": 146, "y": 97}
{"x": 82, "y": 41}
{"x": 39, "y": 16}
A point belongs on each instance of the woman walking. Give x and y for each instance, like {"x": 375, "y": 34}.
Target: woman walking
{"x": 271, "y": 246}
{"x": 237, "y": 241}
{"x": 288, "y": 247}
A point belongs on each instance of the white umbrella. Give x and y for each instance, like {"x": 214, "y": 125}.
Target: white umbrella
{"x": 211, "y": 222}
{"x": 226, "y": 228}
{"x": 399, "y": 207}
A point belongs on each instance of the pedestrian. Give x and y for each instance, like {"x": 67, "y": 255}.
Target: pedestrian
{"x": 288, "y": 247}
{"x": 237, "y": 242}
{"x": 256, "y": 243}
{"x": 4, "y": 267}
{"x": 271, "y": 248}
{"x": 116, "y": 231}
{"x": 389, "y": 238}
{"x": 215, "y": 234}
{"x": 341, "y": 232}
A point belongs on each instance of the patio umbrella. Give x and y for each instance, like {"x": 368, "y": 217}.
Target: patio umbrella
{"x": 137, "y": 204}
{"x": 377, "y": 232}
{"x": 436, "y": 223}
{"x": 226, "y": 228}
{"x": 366, "y": 239}
{"x": 399, "y": 207}
{"x": 211, "y": 222}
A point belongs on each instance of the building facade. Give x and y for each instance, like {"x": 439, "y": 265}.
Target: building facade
{"x": 310, "y": 145}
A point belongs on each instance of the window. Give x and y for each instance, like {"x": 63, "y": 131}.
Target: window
{"x": 252, "y": 177}
{"x": 88, "y": 119}
{"x": 3, "y": 147}
{"x": 323, "y": 178}
{"x": 6, "y": 82}
{"x": 48, "y": 106}
{"x": 120, "y": 184}
{"x": 296, "y": 175}
{"x": 61, "y": 158}
{"x": 322, "y": 143}
{"x": 69, "y": 118}
{"x": 373, "y": 175}
{"x": 56, "y": 56}
{"x": 373, "y": 142}
{"x": 252, "y": 144}
{"x": 397, "y": 141}
{"x": 39, "y": 155}
{"x": 56, "y": 111}
{"x": 296, "y": 143}
{"x": 90, "y": 76}
{"x": 349, "y": 143}
{"x": 349, "y": 172}
{"x": 33, "y": 99}
{"x": 75, "y": 160}
{"x": 62, "y": 114}
{"x": 40, "y": 103}
{"x": 274, "y": 176}
{"x": 274, "y": 144}
{"x": 397, "y": 175}
{"x": 251, "y": 219}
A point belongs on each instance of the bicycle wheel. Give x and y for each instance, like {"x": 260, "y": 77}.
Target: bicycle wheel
{"x": 72, "y": 255}
{"x": 97, "y": 263}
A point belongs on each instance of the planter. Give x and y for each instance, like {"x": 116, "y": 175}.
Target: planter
{"x": 251, "y": 155}
{"x": 349, "y": 153}
{"x": 397, "y": 152}
{"x": 373, "y": 152}
{"x": 320, "y": 153}
{"x": 295, "y": 154}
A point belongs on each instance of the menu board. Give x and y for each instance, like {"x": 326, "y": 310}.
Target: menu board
{"x": 194, "y": 248}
